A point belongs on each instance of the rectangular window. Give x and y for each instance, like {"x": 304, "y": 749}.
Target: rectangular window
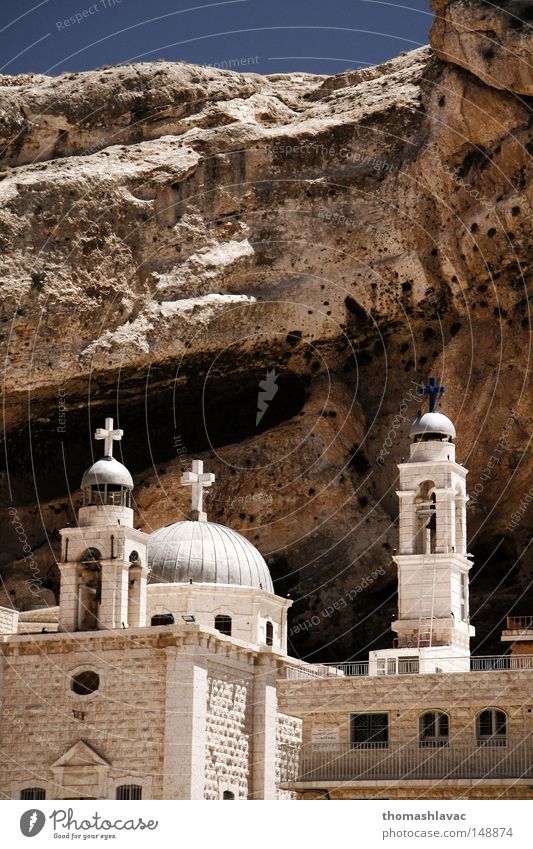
{"x": 391, "y": 666}
{"x": 408, "y": 666}
{"x": 369, "y": 730}
{"x": 381, "y": 669}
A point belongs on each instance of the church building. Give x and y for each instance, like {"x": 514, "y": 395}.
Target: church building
{"x": 164, "y": 674}
{"x": 159, "y": 680}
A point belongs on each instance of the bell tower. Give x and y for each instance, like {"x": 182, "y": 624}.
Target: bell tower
{"x": 103, "y": 559}
{"x": 433, "y": 564}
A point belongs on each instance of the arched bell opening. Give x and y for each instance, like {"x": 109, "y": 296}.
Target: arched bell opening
{"x": 88, "y": 590}
{"x": 134, "y": 589}
{"x": 426, "y": 518}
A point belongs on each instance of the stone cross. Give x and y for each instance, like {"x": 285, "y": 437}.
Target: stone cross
{"x": 108, "y": 434}
{"x": 199, "y": 481}
{"x": 432, "y": 391}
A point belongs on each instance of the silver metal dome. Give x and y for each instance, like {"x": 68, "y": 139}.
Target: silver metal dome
{"x": 107, "y": 470}
{"x": 432, "y": 423}
{"x": 206, "y": 553}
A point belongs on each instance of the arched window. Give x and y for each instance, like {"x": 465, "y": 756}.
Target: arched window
{"x": 33, "y": 793}
{"x": 129, "y": 791}
{"x": 84, "y": 683}
{"x": 223, "y": 624}
{"x": 90, "y": 555}
{"x": 89, "y": 580}
{"x": 227, "y": 795}
{"x": 434, "y": 729}
{"x": 162, "y": 619}
{"x": 491, "y": 727}
{"x": 426, "y": 518}
{"x": 135, "y": 587}
{"x": 269, "y": 634}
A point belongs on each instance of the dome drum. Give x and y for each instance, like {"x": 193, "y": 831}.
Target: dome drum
{"x": 107, "y": 482}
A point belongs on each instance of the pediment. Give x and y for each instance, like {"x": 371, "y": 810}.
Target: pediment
{"x": 80, "y": 755}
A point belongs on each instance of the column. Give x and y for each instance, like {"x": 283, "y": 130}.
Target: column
{"x": 114, "y": 601}
{"x": 68, "y": 597}
{"x": 460, "y": 524}
{"x": 137, "y": 596}
{"x": 263, "y": 750}
{"x": 185, "y": 726}
{"x": 445, "y": 507}
{"x": 407, "y": 542}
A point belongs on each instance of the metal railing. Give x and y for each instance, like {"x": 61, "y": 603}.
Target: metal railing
{"x": 411, "y": 761}
{"x": 520, "y": 623}
{"x": 408, "y": 666}
{"x": 494, "y": 664}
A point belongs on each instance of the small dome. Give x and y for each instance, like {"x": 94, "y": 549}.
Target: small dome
{"x": 436, "y": 423}
{"x": 107, "y": 470}
{"x": 206, "y": 553}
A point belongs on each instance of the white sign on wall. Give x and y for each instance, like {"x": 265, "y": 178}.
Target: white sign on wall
{"x": 325, "y": 739}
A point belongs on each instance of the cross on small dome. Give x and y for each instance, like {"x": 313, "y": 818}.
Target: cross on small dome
{"x": 433, "y": 392}
{"x": 198, "y": 480}
{"x": 108, "y": 435}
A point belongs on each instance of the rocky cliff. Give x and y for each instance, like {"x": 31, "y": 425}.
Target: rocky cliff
{"x": 170, "y": 234}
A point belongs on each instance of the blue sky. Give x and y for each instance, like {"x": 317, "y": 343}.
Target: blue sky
{"x": 264, "y": 36}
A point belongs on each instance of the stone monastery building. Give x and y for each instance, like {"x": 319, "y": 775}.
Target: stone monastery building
{"x": 164, "y": 674}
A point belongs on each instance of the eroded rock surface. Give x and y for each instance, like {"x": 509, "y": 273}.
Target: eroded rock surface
{"x": 169, "y": 234}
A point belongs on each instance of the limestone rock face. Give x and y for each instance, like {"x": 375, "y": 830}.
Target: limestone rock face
{"x": 490, "y": 40}
{"x": 258, "y": 271}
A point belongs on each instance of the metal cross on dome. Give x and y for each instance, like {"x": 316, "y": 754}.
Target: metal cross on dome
{"x": 199, "y": 480}
{"x": 109, "y": 435}
{"x": 433, "y": 392}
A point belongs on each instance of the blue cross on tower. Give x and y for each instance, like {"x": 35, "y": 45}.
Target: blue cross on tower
{"x": 432, "y": 391}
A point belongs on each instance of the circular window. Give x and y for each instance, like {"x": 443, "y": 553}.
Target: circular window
{"x": 85, "y": 683}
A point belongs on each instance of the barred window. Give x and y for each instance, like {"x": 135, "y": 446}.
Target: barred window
{"x": 491, "y": 727}
{"x": 434, "y": 729}
{"x": 129, "y": 791}
{"x": 33, "y": 793}
{"x": 370, "y": 730}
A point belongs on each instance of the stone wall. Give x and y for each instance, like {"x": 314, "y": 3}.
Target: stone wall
{"x": 288, "y": 740}
{"x": 326, "y": 706}
{"x": 461, "y": 695}
{"x": 8, "y": 620}
{"x": 42, "y": 718}
{"x": 228, "y": 732}
{"x": 405, "y": 697}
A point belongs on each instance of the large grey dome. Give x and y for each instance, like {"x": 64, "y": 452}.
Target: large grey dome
{"x": 429, "y": 423}
{"x": 107, "y": 470}
{"x": 206, "y": 553}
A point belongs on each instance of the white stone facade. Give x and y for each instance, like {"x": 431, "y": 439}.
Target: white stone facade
{"x": 181, "y": 711}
